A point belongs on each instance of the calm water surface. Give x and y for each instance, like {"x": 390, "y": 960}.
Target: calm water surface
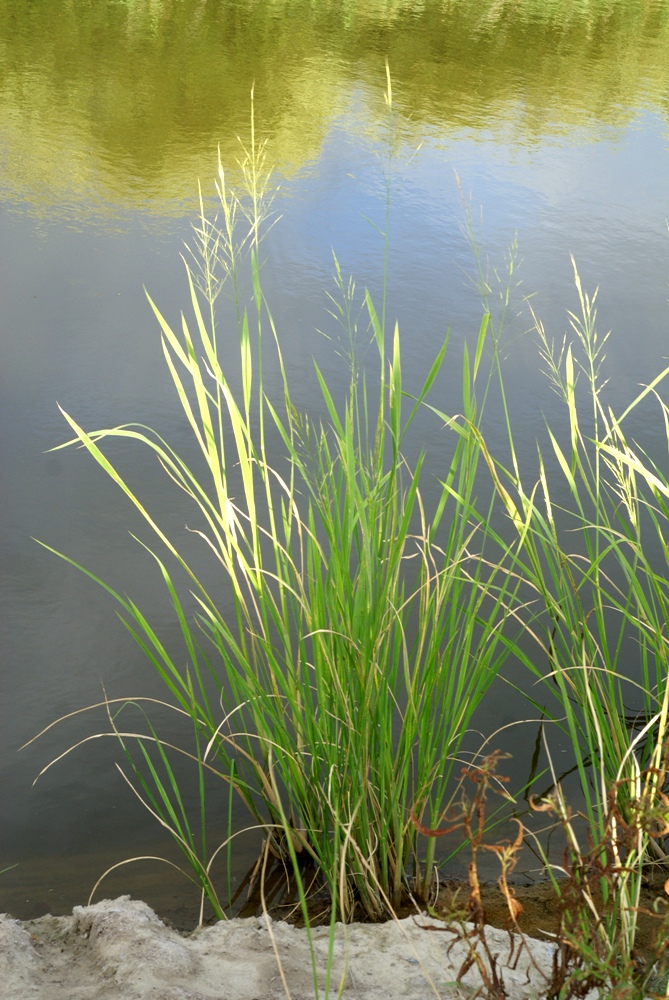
{"x": 554, "y": 117}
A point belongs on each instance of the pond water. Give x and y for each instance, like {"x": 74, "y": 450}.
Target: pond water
{"x": 554, "y": 116}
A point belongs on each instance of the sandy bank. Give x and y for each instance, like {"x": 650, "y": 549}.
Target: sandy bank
{"x": 120, "y": 950}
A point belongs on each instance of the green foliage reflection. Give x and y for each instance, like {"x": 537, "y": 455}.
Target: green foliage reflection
{"x": 125, "y": 101}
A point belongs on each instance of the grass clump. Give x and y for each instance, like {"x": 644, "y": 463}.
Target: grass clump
{"x": 594, "y": 571}
{"x": 333, "y": 669}
{"x": 333, "y": 686}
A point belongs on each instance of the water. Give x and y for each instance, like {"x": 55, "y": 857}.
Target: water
{"x": 557, "y": 126}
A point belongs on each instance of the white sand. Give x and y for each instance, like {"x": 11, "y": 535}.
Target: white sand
{"x": 120, "y": 950}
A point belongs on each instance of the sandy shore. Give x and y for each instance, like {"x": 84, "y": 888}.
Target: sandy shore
{"x": 120, "y": 950}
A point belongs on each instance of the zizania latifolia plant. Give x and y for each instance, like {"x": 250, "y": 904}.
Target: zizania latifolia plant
{"x": 595, "y": 613}
{"x": 332, "y": 668}
{"x": 333, "y": 684}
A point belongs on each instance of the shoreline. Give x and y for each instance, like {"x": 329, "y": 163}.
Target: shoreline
{"x": 120, "y": 950}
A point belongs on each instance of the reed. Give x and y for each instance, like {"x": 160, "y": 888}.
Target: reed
{"x": 595, "y": 639}
{"x": 334, "y": 689}
{"x": 333, "y": 670}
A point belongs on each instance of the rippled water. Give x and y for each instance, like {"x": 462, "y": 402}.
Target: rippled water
{"x": 554, "y": 117}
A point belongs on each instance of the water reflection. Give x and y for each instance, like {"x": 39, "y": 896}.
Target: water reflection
{"x": 117, "y": 103}
{"x": 554, "y": 116}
